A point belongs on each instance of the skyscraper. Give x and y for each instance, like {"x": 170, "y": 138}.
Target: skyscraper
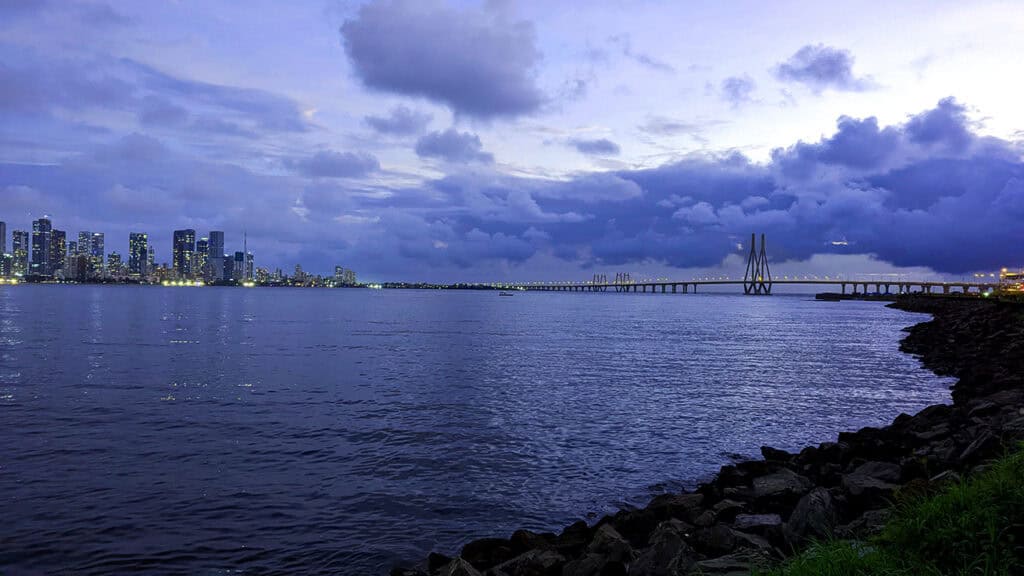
{"x": 202, "y": 258}
{"x": 3, "y": 238}
{"x": 71, "y": 260}
{"x": 216, "y": 256}
{"x": 41, "y": 230}
{"x": 238, "y": 269}
{"x": 184, "y": 249}
{"x": 58, "y": 253}
{"x": 138, "y": 248}
{"x": 96, "y": 254}
{"x": 20, "y": 248}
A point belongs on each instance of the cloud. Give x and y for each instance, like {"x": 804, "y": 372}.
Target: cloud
{"x": 476, "y": 62}
{"x": 946, "y": 125}
{"x": 596, "y": 147}
{"x": 401, "y": 120}
{"x": 453, "y": 146}
{"x": 331, "y": 164}
{"x": 736, "y": 90}
{"x": 625, "y": 44}
{"x": 821, "y": 67}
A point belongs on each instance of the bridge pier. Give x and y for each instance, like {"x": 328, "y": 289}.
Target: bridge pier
{"x": 663, "y": 286}
{"x": 945, "y": 288}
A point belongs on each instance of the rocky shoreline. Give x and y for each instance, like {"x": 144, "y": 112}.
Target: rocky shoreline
{"x": 759, "y": 512}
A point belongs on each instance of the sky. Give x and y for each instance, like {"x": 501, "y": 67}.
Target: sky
{"x": 438, "y": 140}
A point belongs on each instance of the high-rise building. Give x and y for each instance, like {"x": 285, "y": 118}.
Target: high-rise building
{"x": 6, "y": 265}
{"x": 97, "y": 251}
{"x": 238, "y": 267}
{"x": 41, "y": 230}
{"x": 3, "y": 238}
{"x": 216, "y": 256}
{"x": 20, "y": 248}
{"x": 202, "y": 262}
{"x": 58, "y": 253}
{"x": 138, "y": 253}
{"x": 183, "y": 253}
{"x": 71, "y": 260}
{"x": 249, "y": 268}
{"x": 115, "y": 268}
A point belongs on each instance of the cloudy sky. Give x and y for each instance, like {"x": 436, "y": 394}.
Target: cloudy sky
{"x": 461, "y": 140}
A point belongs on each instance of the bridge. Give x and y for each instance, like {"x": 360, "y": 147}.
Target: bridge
{"x": 757, "y": 281}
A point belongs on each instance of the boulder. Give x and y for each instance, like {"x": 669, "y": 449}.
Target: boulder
{"x": 736, "y": 564}
{"x": 594, "y": 565}
{"x": 783, "y": 483}
{"x": 885, "y": 471}
{"x": 459, "y": 567}
{"x": 635, "y": 525}
{"x": 487, "y": 552}
{"x": 984, "y": 446}
{"x": 943, "y": 478}
{"x": 682, "y": 506}
{"x": 437, "y": 561}
{"x": 573, "y": 539}
{"x": 775, "y": 455}
{"x": 867, "y": 489}
{"x": 716, "y": 540}
{"x": 668, "y": 554}
{"x": 757, "y": 523}
{"x": 532, "y": 563}
{"x": 868, "y": 524}
{"x": 609, "y": 543}
{"x": 524, "y": 540}
{"x": 726, "y": 510}
{"x": 406, "y": 572}
{"x": 814, "y": 517}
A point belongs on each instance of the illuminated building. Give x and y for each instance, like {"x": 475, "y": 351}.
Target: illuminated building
{"x": 115, "y": 268}
{"x": 248, "y": 266}
{"x": 20, "y": 249}
{"x": 70, "y": 260}
{"x": 97, "y": 251}
{"x": 215, "y": 256}
{"x": 238, "y": 267}
{"x": 202, "y": 258}
{"x": 184, "y": 248}
{"x": 350, "y": 277}
{"x": 6, "y": 265}
{"x": 3, "y": 238}
{"x": 41, "y": 230}
{"x": 138, "y": 254}
{"x": 58, "y": 253}
{"x": 1011, "y": 281}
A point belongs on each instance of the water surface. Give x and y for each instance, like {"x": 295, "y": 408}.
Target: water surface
{"x": 262, "y": 431}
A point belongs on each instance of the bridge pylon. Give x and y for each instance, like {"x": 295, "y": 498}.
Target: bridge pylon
{"x": 758, "y": 278}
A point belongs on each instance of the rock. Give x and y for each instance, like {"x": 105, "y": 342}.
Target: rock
{"x": 716, "y": 540}
{"x": 813, "y": 518}
{"x": 780, "y": 484}
{"x": 524, "y": 540}
{"x": 867, "y": 488}
{"x": 1014, "y": 428}
{"x": 532, "y": 563}
{"x": 635, "y": 525}
{"x": 487, "y": 552}
{"x": 594, "y": 565}
{"x": 757, "y": 523}
{"x": 984, "y": 446}
{"x": 437, "y": 561}
{"x": 573, "y": 539}
{"x": 459, "y": 567}
{"x": 868, "y": 524}
{"x": 944, "y": 478}
{"x": 737, "y": 564}
{"x": 745, "y": 541}
{"x": 884, "y": 471}
{"x": 726, "y": 510}
{"x": 682, "y": 506}
{"x": 668, "y": 554}
{"x": 707, "y": 518}
{"x": 775, "y": 455}
{"x": 610, "y": 544}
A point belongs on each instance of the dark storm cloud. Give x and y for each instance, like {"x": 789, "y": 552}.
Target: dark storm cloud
{"x": 453, "y": 146}
{"x": 401, "y": 120}
{"x": 899, "y": 192}
{"x": 596, "y": 147}
{"x": 475, "y": 62}
{"x": 332, "y": 164}
{"x": 737, "y": 90}
{"x": 820, "y": 67}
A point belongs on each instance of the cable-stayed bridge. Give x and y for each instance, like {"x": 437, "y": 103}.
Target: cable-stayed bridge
{"x": 758, "y": 281}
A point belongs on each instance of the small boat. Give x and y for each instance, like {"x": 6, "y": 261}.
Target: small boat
{"x": 505, "y": 294}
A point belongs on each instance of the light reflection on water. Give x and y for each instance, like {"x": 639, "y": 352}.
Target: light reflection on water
{"x": 316, "y": 431}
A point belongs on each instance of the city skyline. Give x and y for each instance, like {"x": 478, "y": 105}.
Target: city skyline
{"x": 490, "y": 141}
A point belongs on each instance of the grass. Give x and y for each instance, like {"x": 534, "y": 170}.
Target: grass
{"x": 973, "y": 528}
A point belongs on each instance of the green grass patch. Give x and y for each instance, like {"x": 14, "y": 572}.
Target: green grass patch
{"x": 972, "y": 528}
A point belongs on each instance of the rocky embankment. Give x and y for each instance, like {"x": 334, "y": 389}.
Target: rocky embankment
{"x": 759, "y": 512}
